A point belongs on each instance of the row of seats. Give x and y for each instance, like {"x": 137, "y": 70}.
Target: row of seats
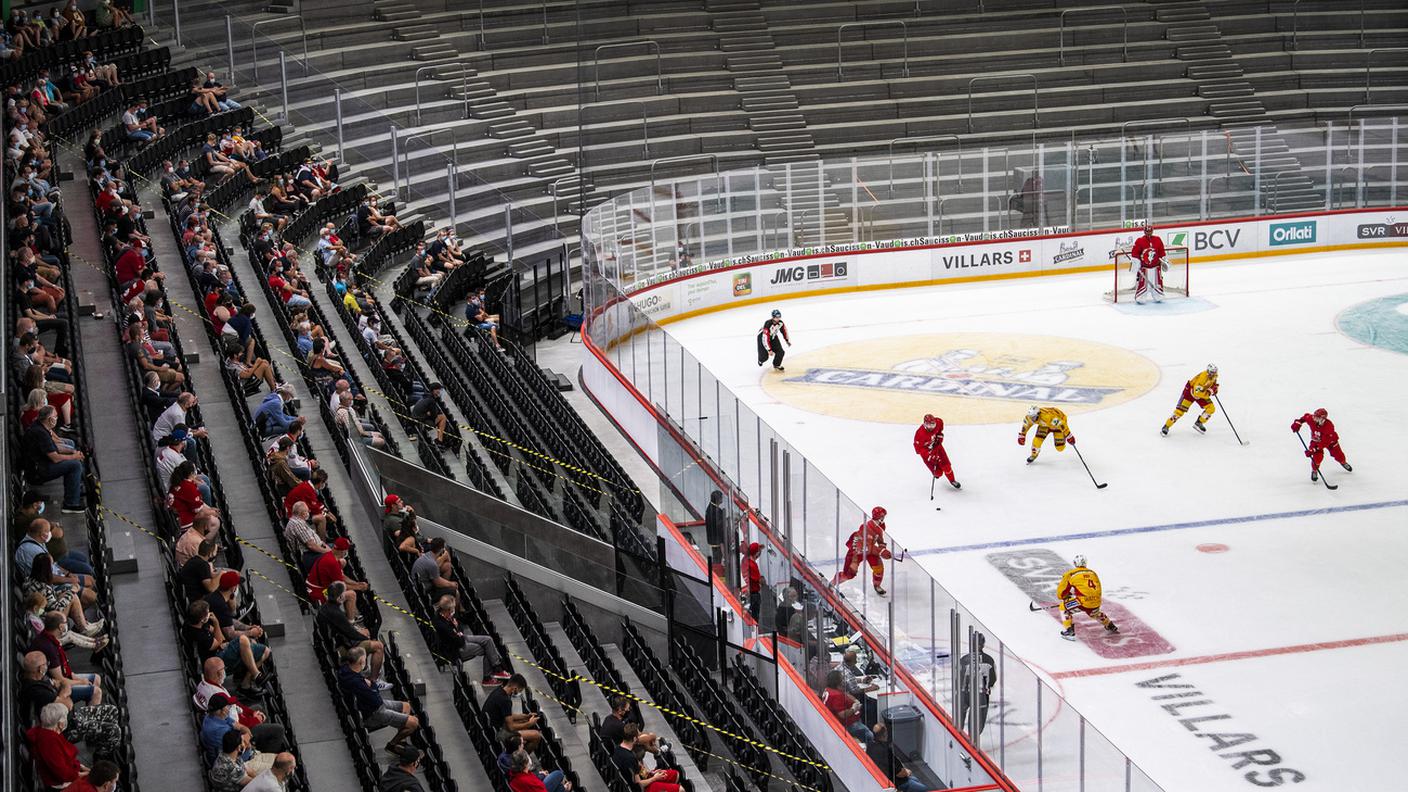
{"x": 566, "y": 689}
{"x": 718, "y": 709}
{"x": 485, "y": 735}
{"x": 778, "y": 728}
{"x": 661, "y": 686}
{"x": 105, "y": 45}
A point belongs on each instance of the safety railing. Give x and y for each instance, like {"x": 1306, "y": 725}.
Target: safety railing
{"x": 1061, "y": 26}
{"x": 1369, "y": 66}
{"x": 840, "y": 74}
{"x": 650, "y": 44}
{"x": 1036, "y": 101}
{"x": 890, "y": 151}
{"x": 254, "y": 44}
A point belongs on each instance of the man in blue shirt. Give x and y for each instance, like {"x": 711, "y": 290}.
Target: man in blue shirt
{"x": 271, "y": 419}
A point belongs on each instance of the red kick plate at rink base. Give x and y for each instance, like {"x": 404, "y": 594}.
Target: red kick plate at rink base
{"x": 1037, "y": 571}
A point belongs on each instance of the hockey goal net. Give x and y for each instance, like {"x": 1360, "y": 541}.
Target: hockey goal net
{"x": 1175, "y": 280}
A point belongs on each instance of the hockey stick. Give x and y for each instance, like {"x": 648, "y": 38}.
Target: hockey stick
{"x": 1035, "y": 608}
{"x": 931, "y": 492}
{"x": 1229, "y": 421}
{"x": 1081, "y": 457}
{"x": 1316, "y": 471}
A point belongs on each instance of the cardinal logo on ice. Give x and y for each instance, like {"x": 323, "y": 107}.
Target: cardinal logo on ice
{"x": 969, "y": 377}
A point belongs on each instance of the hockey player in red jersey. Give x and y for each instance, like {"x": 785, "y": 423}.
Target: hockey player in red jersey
{"x": 929, "y": 445}
{"x": 770, "y": 340}
{"x": 867, "y": 542}
{"x": 1147, "y": 257}
{"x": 1323, "y": 438}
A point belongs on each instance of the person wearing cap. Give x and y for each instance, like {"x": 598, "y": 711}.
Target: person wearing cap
{"x": 263, "y": 735}
{"x": 171, "y": 454}
{"x": 377, "y": 711}
{"x": 327, "y": 569}
{"x": 218, "y": 722}
{"x": 752, "y": 581}
{"x": 242, "y": 656}
{"x": 395, "y": 512}
{"x": 222, "y": 604}
{"x": 332, "y": 616}
{"x": 401, "y": 777}
{"x": 300, "y": 466}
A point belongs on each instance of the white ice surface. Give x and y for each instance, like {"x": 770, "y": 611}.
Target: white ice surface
{"x": 1329, "y": 712}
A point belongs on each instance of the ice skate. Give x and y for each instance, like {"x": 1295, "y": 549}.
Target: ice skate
{"x": 1201, "y": 427}
{"x": 1347, "y": 467}
{"x": 1163, "y": 430}
{"x": 1112, "y": 628}
{"x": 1069, "y": 633}
{"x": 955, "y": 484}
{"x": 1314, "y": 475}
{"x": 1031, "y": 458}
{"x": 880, "y": 591}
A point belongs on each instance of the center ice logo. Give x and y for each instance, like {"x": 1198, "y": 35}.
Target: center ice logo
{"x": 966, "y": 377}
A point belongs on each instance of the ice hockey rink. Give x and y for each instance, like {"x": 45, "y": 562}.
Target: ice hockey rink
{"x": 1271, "y": 611}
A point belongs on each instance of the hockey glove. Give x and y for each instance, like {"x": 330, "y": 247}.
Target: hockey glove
{"x": 1071, "y": 439}
{"x": 1295, "y": 426}
{"x": 1310, "y": 452}
{"x": 1021, "y": 439}
{"x": 1163, "y": 264}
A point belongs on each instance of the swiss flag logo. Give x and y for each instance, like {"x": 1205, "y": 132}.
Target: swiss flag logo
{"x": 1024, "y": 257}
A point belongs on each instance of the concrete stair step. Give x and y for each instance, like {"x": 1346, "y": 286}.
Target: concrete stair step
{"x": 491, "y": 110}
{"x": 516, "y": 128}
{"x": 1203, "y": 52}
{"x": 770, "y": 82}
{"x": 1214, "y": 71}
{"x": 1189, "y": 36}
{"x": 746, "y": 46}
{"x": 551, "y": 170}
{"x": 279, "y": 7}
{"x": 776, "y": 162}
{"x": 397, "y": 16}
{"x": 414, "y": 31}
{"x": 454, "y": 71}
{"x": 768, "y": 61}
{"x": 775, "y": 125}
{"x": 438, "y": 51}
{"x": 1226, "y": 90}
{"x": 751, "y": 104}
{"x": 530, "y": 148}
{"x": 1189, "y": 14}
{"x": 476, "y": 93}
{"x": 1236, "y": 108}
{"x": 785, "y": 137}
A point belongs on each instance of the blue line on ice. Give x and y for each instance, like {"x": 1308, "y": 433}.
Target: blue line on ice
{"x": 1167, "y": 527}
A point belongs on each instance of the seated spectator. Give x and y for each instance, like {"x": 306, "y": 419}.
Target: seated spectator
{"x": 626, "y": 759}
{"x": 55, "y": 758}
{"x": 456, "y": 644}
{"x": 613, "y": 726}
{"x": 183, "y": 493}
{"x": 444, "y": 252}
{"x": 331, "y": 252}
{"x": 844, "y": 706}
{"x": 657, "y": 780}
{"x": 259, "y": 208}
{"x": 250, "y": 374}
{"x": 302, "y": 537}
{"x": 401, "y": 777}
{"x": 178, "y": 414}
{"x": 223, "y": 604}
{"x": 222, "y": 96}
{"x": 478, "y": 318}
{"x": 59, "y": 597}
{"x": 97, "y": 726}
{"x": 396, "y": 515}
{"x": 523, "y": 779}
{"x": 308, "y": 494}
{"x": 272, "y": 418}
{"x": 431, "y": 571}
{"x": 371, "y": 223}
{"x": 427, "y": 410}
{"x": 882, "y": 752}
{"x": 56, "y": 395}
{"x": 420, "y": 269}
{"x": 222, "y": 166}
{"x": 242, "y": 656}
{"x": 299, "y": 465}
{"x": 321, "y": 364}
{"x": 217, "y": 723}
{"x": 498, "y": 707}
{"x": 47, "y": 457}
{"x": 82, "y": 687}
{"x": 349, "y": 421}
{"x": 198, "y": 575}
{"x": 42, "y": 536}
{"x": 275, "y": 779}
{"x": 329, "y": 568}
{"x": 205, "y": 527}
{"x": 173, "y": 451}
{"x": 377, "y": 712}
{"x": 332, "y": 615}
{"x": 242, "y": 323}
{"x": 230, "y": 773}
{"x": 140, "y": 129}
{"x": 109, "y": 16}
{"x": 279, "y": 469}
{"x": 264, "y": 736}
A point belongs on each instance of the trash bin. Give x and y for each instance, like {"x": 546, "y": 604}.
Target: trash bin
{"x": 906, "y": 727}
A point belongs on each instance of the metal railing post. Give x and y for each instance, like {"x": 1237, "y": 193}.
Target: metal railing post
{"x": 508, "y": 233}
{"x": 1148, "y": 178}
{"x": 450, "y": 188}
{"x": 758, "y": 206}
{"x": 1203, "y": 180}
{"x": 337, "y": 106}
{"x": 395, "y": 164}
{"x": 955, "y": 643}
{"x": 1329, "y": 165}
{"x": 855, "y": 202}
{"x": 1061, "y": 46}
{"x": 1359, "y": 194}
{"x": 1124, "y": 184}
{"x": 1393, "y": 164}
{"x": 283, "y": 85}
{"x": 230, "y": 45}
{"x": 890, "y": 150}
{"x": 1256, "y": 173}
{"x": 840, "y": 72}
{"x": 1369, "y": 62}
{"x": 176, "y": 19}
{"x": 791, "y": 241}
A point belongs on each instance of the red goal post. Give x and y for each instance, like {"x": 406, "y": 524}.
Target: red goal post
{"x": 1175, "y": 280}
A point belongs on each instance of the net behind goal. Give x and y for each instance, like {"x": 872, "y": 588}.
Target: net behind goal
{"x": 1175, "y": 280}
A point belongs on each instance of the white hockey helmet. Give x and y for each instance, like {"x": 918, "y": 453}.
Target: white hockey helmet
{"x": 1078, "y": 561}
{"x": 1033, "y": 411}
{"x": 1212, "y": 369}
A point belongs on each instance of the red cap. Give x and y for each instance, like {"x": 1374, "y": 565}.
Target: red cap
{"x": 391, "y": 501}
{"x": 754, "y": 549}
{"x": 341, "y": 543}
{"x": 229, "y": 580}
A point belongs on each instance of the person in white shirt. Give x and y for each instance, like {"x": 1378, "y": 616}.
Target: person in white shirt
{"x": 171, "y": 452}
{"x": 167, "y": 422}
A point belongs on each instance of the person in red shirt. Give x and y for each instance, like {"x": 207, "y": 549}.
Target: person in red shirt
{"x": 328, "y": 568}
{"x": 752, "y": 588}
{"x": 1323, "y": 438}
{"x": 307, "y": 492}
{"x": 129, "y": 264}
{"x": 867, "y": 542}
{"x": 929, "y": 445}
{"x": 54, "y": 756}
{"x": 1147, "y": 254}
{"x": 845, "y": 707}
{"x": 183, "y": 495}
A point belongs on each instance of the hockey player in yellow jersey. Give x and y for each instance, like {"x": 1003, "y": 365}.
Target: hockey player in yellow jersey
{"x": 1079, "y": 590}
{"x": 1200, "y": 389}
{"x": 1047, "y": 420}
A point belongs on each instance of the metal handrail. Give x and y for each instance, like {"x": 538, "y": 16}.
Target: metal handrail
{"x": 596, "y": 64}
{"x": 771, "y": 229}
{"x": 1124, "y": 51}
{"x": 714, "y": 158}
{"x": 405, "y": 162}
{"x": 254, "y": 43}
{"x": 418, "y": 73}
{"x": 1036, "y": 108}
{"x": 1337, "y": 184}
{"x": 874, "y": 23}
{"x": 1358, "y": 107}
{"x": 1295, "y": 23}
{"x": 918, "y": 11}
{"x": 644, "y": 126}
{"x": 1369, "y": 65}
{"x": 921, "y": 139}
{"x": 1275, "y": 200}
{"x": 1124, "y": 128}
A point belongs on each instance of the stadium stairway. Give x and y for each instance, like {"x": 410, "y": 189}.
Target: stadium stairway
{"x": 155, "y": 675}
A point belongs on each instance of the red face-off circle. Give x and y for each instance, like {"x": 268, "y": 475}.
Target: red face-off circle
{"x": 1212, "y": 547}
